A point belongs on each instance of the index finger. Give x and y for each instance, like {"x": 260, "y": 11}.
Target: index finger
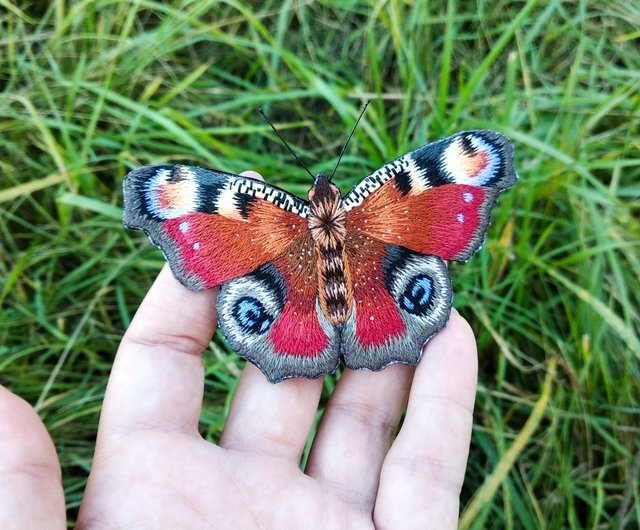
{"x": 157, "y": 379}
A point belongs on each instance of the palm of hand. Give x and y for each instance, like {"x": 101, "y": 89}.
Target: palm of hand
{"x": 180, "y": 481}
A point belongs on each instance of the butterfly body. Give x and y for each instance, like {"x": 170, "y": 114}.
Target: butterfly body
{"x": 328, "y": 228}
{"x": 306, "y": 284}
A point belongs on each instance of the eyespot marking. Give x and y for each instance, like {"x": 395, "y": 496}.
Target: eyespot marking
{"x": 251, "y": 315}
{"x": 417, "y": 295}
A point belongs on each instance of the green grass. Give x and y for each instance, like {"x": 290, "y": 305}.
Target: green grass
{"x": 94, "y": 89}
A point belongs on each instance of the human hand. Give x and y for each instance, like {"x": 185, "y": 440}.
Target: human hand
{"x": 152, "y": 469}
{"x": 31, "y": 493}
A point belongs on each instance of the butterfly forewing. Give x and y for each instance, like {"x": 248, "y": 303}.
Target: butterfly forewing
{"x": 437, "y": 199}
{"x": 211, "y": 226}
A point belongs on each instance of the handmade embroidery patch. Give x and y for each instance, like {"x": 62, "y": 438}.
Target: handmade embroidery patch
{"x": 306, "y": 284}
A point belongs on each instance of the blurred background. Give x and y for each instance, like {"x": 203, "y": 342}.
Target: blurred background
{"x": 93, "y": 89}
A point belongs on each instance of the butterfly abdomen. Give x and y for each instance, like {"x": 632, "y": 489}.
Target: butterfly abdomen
{"x": 334, "y": 286}
{"x": 327, "y": 223}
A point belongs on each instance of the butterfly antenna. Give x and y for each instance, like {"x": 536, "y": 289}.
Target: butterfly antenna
{"x": 285, "y": 142}
{"x": 366, "y": 104}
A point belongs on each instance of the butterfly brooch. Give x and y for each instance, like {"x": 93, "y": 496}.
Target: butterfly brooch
{"x": 308, "y": 283}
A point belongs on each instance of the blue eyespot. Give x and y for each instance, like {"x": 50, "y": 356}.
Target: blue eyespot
{"x": 251, "y": 315}
{"x": 417, "y": 295}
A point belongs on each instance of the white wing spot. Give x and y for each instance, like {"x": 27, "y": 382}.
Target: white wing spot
{"x": 460, "y": 218}
{"x": 184, "y": 226}
{"x": 196, "y": 246}
{"x": 467, "y": 197}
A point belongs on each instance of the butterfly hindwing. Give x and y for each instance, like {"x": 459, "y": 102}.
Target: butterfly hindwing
{"x": 211, "y": 226}
{"x": 437, "y": 199}
{"x": 401, "y": 299}
{"x": 272, "y": 317}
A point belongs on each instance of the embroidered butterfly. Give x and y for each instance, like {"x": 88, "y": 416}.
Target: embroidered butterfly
{"x": 305, "y": 284}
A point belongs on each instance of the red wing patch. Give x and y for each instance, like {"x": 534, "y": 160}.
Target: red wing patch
{"x": 448, "y": 221}
{"x": 298, "y": 331}
{"x": 210, "y": 249}
{"x": 377, "y": 320}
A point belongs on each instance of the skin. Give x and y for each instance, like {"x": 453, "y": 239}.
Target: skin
{"x": 152, "y": 469}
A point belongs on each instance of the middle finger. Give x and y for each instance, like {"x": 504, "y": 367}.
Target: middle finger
{"x": 356, "y": 431}
{"x": 271, "y": 419}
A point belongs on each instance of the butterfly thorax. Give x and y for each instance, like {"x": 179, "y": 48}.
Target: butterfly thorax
{"x": 327, "y": 224}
